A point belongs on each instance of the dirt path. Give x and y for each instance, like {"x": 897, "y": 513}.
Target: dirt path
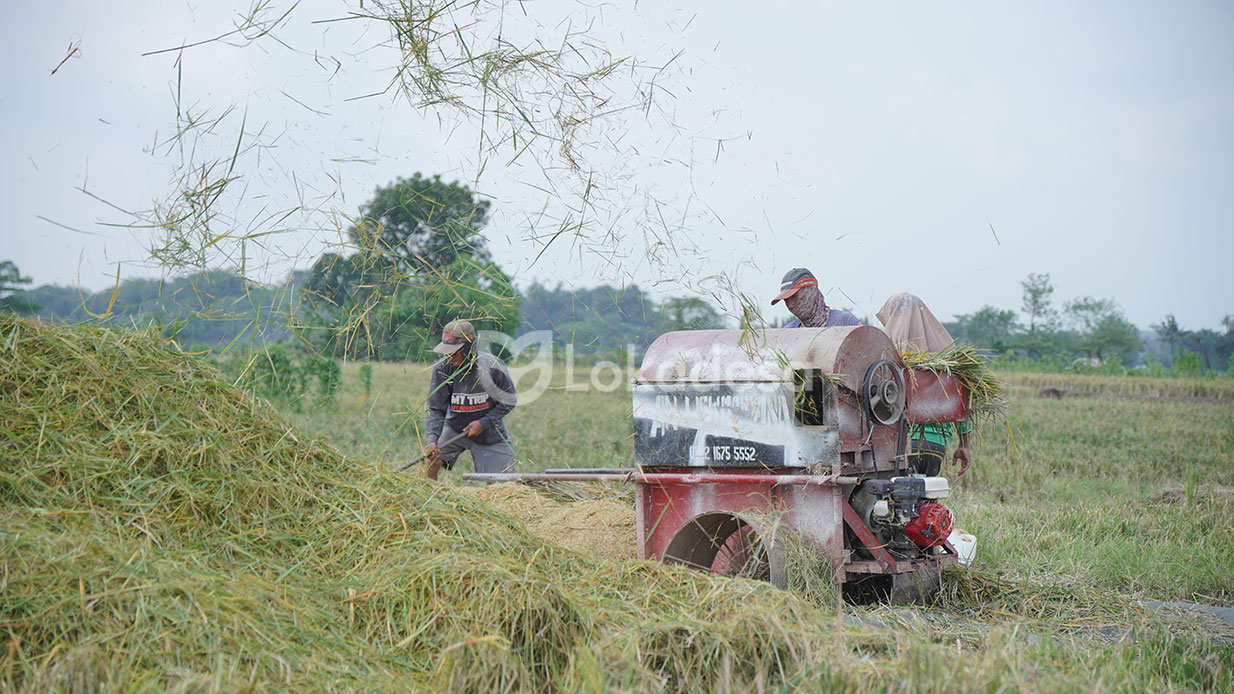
{"x": 1225, "y": 614}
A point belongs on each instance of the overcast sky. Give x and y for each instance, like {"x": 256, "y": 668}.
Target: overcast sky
{"x": 947, "y": 149}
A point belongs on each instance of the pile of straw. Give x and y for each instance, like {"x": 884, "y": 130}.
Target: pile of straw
{"x": 967, "y": 365}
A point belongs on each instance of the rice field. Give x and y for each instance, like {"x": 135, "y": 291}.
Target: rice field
{"x": 162, "y": 531}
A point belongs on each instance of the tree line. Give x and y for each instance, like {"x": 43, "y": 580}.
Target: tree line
{"x": 1090, "y": 333}
{"x": 205, "y": 309}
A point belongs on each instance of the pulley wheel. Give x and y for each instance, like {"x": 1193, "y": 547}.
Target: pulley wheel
{"x": 884, "y": 392}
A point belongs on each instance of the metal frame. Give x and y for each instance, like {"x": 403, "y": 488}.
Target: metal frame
{"x": 639, "y": 477}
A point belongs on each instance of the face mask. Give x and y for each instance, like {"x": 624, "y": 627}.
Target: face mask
{"x": 810, "y": 308}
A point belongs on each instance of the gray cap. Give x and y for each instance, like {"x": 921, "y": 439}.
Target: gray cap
{"x": 456, "y": 335}
{"x": 793, "y": 280}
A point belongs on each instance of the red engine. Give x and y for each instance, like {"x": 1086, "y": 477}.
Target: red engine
{"x": 931, "y": 526}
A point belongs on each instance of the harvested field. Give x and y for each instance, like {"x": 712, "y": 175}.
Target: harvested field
{"x": 1131, "y": 388}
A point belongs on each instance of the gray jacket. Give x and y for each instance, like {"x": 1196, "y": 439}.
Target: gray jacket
{"x": 480, "y": 389}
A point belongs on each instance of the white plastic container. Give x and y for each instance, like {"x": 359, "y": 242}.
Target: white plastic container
{"x": 965, "y": 545}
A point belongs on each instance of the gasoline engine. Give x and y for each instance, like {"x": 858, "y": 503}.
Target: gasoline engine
{"x": 904, "y": 513}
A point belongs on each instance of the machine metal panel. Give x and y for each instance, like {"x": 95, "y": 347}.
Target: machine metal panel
{"x": 934, "y": 397}
{"x": 768, "y": 356}
{"x": 813, "y": 511}
{"x": 728, "y": 425}
{"x": 716, "y": 398}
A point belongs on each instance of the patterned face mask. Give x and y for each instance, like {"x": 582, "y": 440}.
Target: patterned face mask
{"x": 810, "y": 308}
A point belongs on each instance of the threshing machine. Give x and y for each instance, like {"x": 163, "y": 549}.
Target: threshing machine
{"x": 743, "y": 440}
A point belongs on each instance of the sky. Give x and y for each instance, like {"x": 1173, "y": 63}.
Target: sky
{"x": 946, "y": 149}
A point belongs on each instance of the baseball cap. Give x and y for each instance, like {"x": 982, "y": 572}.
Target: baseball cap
{"x": 456, "y": 335}
{"x": 793, "y": 280}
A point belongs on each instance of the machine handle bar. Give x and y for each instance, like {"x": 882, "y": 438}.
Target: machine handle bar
{"x": 664, "y": 477}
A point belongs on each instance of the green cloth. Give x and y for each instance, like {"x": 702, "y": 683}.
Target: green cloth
{"x": 940, "y": 432}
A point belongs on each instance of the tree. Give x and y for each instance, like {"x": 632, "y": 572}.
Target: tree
{"x": 333, "y": 278}
{"x": 1103, "y": 329}
{"x": 342, "y": 294}
{"x": 958, "y": 328}
{"x": 1210, "y": 347}
{"x": 423, "y": 224}
{"x": 990, "y": 327}
{"x": 336, "y": 284}
{"x": 689, "y": 313}
{"x": 1170, "y": 333}
{"x": 594, "y": 319}
{"x": 10, "y": 288}
{"x": 412, "y": 320}
{"x": 1225, "y": 345}
{"x": 1116, "y": 338}
{"x": 1187, "y": 364}
{"x": 1086, "y": 312}
{"x": 607, "y": 320}
{"x": 420, "y": 262}
{"x": 62, "y": 304}
{"x": 1036, "y": 305}
{"x": 1205, "y": 341}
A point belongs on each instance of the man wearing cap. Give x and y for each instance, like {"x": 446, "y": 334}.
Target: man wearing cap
{"x": 470, "y": 392}
{"x": 799, "y": 290}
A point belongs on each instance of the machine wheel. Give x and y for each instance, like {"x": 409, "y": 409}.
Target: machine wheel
{"x": 729, "y": 545}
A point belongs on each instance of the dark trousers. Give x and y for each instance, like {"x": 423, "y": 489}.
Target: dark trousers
{"x": 926, "y": 457}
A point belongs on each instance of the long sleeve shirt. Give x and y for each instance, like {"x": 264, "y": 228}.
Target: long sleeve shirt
{"x": 479, "y": 390}
{"x": 838, "y": 318}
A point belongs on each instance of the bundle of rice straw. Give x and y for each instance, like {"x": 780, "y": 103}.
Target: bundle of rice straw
{"x": 971, "y": 368}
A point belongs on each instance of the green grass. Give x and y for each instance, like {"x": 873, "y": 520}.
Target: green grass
{"x": 1148, "y": 445}
{"x": 1064, "y": 493}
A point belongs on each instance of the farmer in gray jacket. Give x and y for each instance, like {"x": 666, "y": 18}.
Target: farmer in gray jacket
{"x": 470, "y": 392}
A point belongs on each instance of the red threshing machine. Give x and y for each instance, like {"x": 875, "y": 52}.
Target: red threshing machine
{"x": 741, "y": 439}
